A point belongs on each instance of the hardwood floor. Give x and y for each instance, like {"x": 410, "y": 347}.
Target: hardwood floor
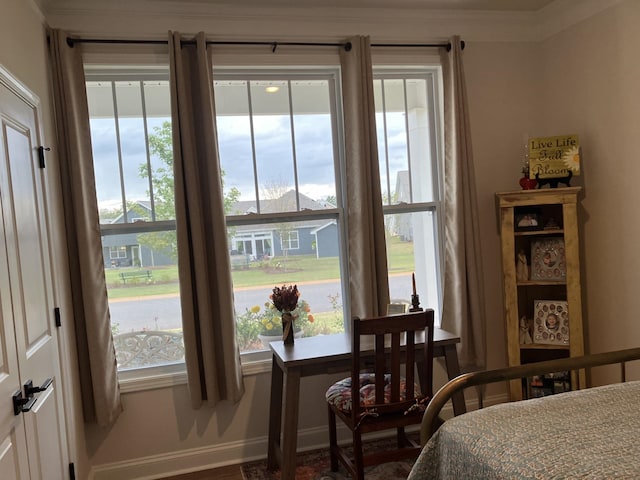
{"x": 232, "y": 472}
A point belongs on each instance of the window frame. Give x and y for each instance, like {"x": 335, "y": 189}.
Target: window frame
{"x": 138, "y": 379}
{"x": 222, "y": 72}
{"x": 117, "y": 249}
{"x": 290, "y": 241}
{"x": 431, "y": 72}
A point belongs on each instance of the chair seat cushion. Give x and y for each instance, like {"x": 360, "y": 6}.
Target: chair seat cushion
{"x": 339, "y": 394}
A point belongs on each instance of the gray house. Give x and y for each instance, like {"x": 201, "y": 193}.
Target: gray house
{"x": 127, "y": 249}
{"x": 315, "y": 237}
{"x": 250, "y": 241}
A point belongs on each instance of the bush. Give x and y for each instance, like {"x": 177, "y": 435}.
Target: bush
{"x": 257, "y": 320}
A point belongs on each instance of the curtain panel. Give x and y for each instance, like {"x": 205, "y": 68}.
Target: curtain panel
{"x": 212, "y": 355}
{"x": 99, "y": 387}
{"x": 463, "y": 310}
{"x": 368, "y": 275}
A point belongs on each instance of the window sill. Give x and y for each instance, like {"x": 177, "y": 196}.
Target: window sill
{"x": 168, "y": 376}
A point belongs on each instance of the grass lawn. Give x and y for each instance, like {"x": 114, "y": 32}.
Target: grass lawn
{"x": 280, "y": 270}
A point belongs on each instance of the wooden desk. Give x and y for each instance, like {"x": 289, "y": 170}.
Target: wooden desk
{"x": 316, "y": 356}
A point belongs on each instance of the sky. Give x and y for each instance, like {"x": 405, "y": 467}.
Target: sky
{"x": 274, "y": 152}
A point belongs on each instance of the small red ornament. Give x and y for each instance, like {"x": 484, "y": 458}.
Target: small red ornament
{"x": 528, "y": 183}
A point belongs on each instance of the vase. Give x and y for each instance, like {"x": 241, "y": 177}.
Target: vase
{"x": 287, "y": 328}
{"x": 528, "y": 183}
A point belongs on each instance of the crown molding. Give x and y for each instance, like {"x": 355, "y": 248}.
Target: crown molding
{"x": 153, "y": 18}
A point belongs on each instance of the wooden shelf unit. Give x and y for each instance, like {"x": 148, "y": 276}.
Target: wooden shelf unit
{"x": 561, "y": 204}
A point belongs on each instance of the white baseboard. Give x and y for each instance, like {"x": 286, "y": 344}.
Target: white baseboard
{"x": 230, "y": 453}
{"x": 196, "y": 459}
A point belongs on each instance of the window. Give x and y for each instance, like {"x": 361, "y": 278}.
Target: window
{"x": 289, "y": 241}
{"x": 278, "y": 143}
{"x": 117, "y": 252}
{"x": 129, "y": 111}
{"x": 278, "y": 159}
{"x": 279, "y": 139}
{"x": 408, "y": 133}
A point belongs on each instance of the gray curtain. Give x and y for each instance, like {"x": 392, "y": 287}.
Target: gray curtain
{"x": 96, "y": 355}
{"x": 208, "y": 315}
{"x": 368, "y": 282}
{"x": 463, "y": 310}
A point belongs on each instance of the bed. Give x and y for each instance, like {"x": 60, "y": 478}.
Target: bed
{"x": 592, "y": 433}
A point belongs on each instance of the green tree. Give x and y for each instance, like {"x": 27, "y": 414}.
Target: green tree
{"x": 108, "y": 215}
{"x": 331, "y": 199}
{"x": 162, "y": 181}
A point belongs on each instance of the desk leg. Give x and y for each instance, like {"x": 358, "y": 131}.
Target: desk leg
{"x": 453, "y": 370}
{"x": 275, "y": 416}
{"x": 290, "y": 430}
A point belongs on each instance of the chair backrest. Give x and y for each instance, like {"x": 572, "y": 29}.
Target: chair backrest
{"x": 397, "y": 340}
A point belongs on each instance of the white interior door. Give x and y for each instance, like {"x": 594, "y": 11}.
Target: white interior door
{"x": 28, "y": 302}
{"x": 13, "y": 444}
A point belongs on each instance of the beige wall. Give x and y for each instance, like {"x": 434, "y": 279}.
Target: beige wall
{"x": 502, "y": 88}
{"x": 511, "y": 87}
{"x": 590, "y": 85}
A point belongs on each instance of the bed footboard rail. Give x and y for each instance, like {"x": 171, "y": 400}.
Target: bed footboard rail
{"x": 431, "y": 419}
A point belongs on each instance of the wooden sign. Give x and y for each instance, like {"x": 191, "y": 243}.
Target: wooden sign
{"x": 554, "y": 157}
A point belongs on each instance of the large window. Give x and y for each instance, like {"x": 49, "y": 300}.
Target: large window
{"x": 279, "y": 138}
{"x": 278, "y": 142}
{"x": 278, "y": 150}
{"x": 408, "y": 133}
{"x": 130, "y": 114}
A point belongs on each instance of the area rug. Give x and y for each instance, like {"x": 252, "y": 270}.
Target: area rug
{"x": 315, "y": 465}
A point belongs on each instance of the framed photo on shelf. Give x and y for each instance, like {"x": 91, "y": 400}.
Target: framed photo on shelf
{"x": 551, "y": 322}
{"x": 527, "y": 221}
{"x": 548, "y": 259}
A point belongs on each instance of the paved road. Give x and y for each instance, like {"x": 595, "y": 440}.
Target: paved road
{"x": 160, "y": 313}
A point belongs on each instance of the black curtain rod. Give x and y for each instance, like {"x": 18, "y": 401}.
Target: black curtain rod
{"x": 274, "y": 45}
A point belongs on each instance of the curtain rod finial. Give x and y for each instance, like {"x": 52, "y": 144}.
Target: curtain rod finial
{"x": 348, "y": 47}
{"x": 71, "y": 42}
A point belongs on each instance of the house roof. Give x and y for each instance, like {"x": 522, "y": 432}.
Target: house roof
{"x": 144, "y": 204}
{"x": 285, "y": 203}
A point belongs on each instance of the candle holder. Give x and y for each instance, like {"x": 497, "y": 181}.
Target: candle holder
{"x": 415, "y": 303}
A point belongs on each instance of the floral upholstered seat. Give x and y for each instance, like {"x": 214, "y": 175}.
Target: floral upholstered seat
{"x": 339, "y": 394}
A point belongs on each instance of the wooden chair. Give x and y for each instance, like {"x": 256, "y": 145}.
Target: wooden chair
{"x": 388, "y": 396}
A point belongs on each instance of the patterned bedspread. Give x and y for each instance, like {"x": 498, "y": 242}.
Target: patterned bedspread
{"x": 589, "y": 434}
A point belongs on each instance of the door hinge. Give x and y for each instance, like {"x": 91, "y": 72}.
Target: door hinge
{"x": 41, "y": 151}
{"x": 72, "y": 471}
{"x": 56, "y": 314}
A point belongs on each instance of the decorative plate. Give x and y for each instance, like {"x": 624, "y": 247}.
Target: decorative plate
{"x": 551, "y": 322}
{"x": 548, "y": 260}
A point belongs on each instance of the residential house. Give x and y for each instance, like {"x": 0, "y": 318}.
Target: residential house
{"x": 129, "y": 249}
{"x": 301, "y": 238}
{"x": 549, "y": 67}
